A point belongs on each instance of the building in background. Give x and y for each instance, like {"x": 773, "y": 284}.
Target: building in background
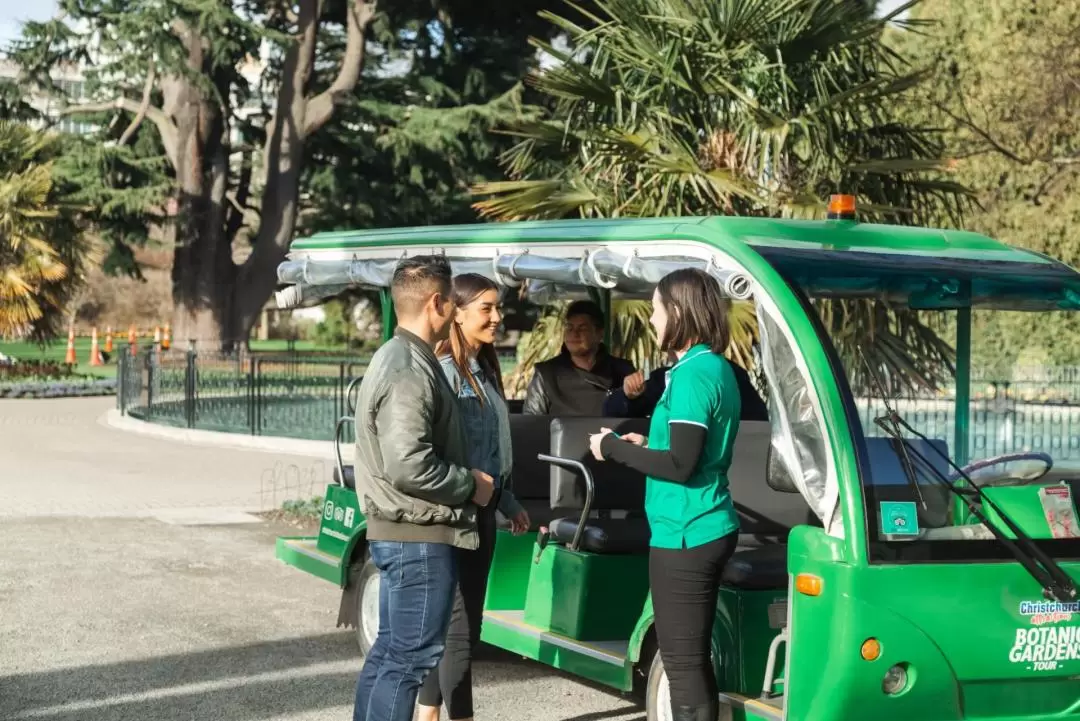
{"x": 69, "y": 78}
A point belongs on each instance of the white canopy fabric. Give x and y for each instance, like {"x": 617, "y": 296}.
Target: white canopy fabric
{"x": 547, "y": 277}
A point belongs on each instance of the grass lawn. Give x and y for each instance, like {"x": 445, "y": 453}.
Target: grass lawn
{"x": 57, "y": 350}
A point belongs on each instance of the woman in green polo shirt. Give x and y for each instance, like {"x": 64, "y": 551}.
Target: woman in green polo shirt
{"x": 686, "y": 459}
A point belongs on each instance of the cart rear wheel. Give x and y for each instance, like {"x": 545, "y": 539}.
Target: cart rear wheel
{"x": 658, "y": 695}
{"x": 367, "y": 605}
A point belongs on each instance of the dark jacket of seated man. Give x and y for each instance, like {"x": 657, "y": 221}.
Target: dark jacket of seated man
{"x": 560, "y": 388}
{"x": 576, "y": 382}
{"x": 618, "y": 405}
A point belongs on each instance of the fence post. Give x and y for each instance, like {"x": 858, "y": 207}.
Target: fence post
{"x": 149, "y": 364}
{"x": 253, "y": 383}
{"x": 120, "y": 369}
{"x": 343, "y": 383}
{"x": 190, "y": 380}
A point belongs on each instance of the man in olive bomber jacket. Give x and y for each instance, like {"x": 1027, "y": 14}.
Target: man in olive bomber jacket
{"x": 418, "y": 496}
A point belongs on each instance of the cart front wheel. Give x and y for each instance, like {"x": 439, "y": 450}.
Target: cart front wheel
{"x": 367, "y": 605}
{"x": 658, "y": 695}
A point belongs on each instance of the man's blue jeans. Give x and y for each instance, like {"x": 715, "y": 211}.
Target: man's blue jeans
{"x": 416, "y": 595}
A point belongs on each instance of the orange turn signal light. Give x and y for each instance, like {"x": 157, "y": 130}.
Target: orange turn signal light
{"x": 808, "y": 584}
{"x": 841, "y": 207}
{"x": 871, "y": 650}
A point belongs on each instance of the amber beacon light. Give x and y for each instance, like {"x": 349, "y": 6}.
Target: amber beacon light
{"x": 842, "y": 207}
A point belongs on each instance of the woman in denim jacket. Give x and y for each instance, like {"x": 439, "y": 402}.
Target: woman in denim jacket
{"x": 472, "y": 368}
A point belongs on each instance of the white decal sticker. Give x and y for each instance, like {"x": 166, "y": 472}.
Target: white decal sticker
{"x": 1043, "y": 649}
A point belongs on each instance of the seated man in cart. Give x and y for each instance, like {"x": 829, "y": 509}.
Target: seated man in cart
{"x": 638, "y": 397}
{"x": 578, "y": 380}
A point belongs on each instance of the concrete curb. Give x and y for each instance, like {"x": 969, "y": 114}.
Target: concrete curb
{"x": 238, "y": 441}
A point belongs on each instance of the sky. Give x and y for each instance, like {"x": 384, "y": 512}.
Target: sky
{"x": 14, "y": 12}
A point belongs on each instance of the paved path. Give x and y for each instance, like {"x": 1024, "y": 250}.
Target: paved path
{"x": 57, "y": 457}
{"x": 130, "y": 590}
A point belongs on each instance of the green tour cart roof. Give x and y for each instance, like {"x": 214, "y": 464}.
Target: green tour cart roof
{"x": 919, "y": 267}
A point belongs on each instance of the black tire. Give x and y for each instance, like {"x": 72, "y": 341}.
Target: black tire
{"x": 367, "y": 581}
{"x": 653, "y": 712}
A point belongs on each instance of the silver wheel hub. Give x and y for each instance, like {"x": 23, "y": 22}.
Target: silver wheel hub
{"x": 369, "y": 609}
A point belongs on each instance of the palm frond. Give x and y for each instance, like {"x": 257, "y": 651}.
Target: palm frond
{"x": 738, "y": 107}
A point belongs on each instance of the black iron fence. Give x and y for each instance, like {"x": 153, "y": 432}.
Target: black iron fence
{"x": 301, "y": 395}
{"x": 295, "y": 395}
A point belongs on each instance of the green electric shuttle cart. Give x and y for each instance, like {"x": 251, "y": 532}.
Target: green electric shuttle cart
{"x": 881, "y": 574}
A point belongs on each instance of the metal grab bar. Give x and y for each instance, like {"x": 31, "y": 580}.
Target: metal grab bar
{"x": 350, "y": 405}
{"x": 337, "y": 447}
{"x": 590, "y": 490}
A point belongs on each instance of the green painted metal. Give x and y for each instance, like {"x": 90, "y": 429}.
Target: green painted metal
{"x": 539, "y": 646}
{"x": 586, "y": 596}
{"x": 955, "y": 625}
{"x": 766, "y": 232}
{"x": 341, "y": 520}
{"x": 963, "y": 387}
{"x": 389, "y": 319}
{"x": 302, "y": 552}
{"x": 513, "y": 559}
{"x": 965, "y": 631}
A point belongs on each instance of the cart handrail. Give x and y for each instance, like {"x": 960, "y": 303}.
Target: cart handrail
{"x": 590, "y": 489}
{"x": 337, "y": 447}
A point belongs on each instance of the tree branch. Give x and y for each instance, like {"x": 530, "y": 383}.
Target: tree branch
{"x": 321, "y": 107}
{"x": 148, "y": 89}
{"x": 166, "y": 128}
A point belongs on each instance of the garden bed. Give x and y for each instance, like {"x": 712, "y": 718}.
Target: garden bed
{"x": 48, "y": 379}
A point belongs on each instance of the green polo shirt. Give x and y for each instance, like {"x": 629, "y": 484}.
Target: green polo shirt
{"x": 701, "y": 389}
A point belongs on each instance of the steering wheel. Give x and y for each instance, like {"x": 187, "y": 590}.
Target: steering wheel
{"x": 1011, "y": 469}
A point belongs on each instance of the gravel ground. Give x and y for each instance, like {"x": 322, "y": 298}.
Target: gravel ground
{"x": 137, "y": 585}
{"x": 129, "y": 619}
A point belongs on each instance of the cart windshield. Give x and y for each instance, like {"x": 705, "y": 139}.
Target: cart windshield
{"x": 977, "y": 380}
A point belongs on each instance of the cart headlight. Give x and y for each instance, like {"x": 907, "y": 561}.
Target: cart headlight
{"x": 896, "y": 679}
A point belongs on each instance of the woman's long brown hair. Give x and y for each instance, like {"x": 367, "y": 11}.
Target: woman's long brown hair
{"x": 467, "y": 288}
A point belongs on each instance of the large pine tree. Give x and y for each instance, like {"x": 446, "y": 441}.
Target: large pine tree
{"x": 367, "y": 114}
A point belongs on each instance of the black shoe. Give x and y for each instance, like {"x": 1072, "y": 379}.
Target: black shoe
{"x": 708, "y": 712}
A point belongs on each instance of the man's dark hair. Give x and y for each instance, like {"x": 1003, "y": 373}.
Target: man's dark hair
{"x": 586, "y": 308}
{"x": 418, "y": 278}
{"x": 697, "y": 311}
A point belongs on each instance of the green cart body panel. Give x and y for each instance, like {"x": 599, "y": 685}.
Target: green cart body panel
{"x": 955, "y": 617}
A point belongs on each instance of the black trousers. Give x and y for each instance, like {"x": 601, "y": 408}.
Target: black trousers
{"x": 685, "y": 583}
{"x": 452, "y": 680}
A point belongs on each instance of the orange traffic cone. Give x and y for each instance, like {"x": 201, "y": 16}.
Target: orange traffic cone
{"x": 95, "y": 352}
{"x": 166, "y": 340}
{"x": 70, "y": 358}
{"x": 108, "y": 339}
{"x": 133, "y": 341}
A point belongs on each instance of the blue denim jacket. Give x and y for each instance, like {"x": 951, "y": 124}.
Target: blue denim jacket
{"x": 482, "y": 429}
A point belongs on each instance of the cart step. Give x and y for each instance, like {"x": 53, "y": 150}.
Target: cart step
{"x": 613, "y": 652}
{"x": 304, "y": 553}
{"x": 756, "y": 709}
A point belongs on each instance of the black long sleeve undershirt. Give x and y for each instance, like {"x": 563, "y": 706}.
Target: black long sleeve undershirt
{"x": 676, "y": 465}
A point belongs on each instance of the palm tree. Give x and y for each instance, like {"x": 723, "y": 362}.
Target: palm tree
{"x": 737, "y": 107}
{"x": 44, "y": 252}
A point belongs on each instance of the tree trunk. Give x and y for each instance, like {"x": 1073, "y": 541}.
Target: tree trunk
{"x": 214, "y": 299}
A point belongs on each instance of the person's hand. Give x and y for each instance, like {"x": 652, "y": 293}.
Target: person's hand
{"x": 520, "y": 523}
{"x": 594, "y": 443}
{"x": 634, "y": 384}
{"x": 485, "y": 487}
{"x": 636, "y": 438}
